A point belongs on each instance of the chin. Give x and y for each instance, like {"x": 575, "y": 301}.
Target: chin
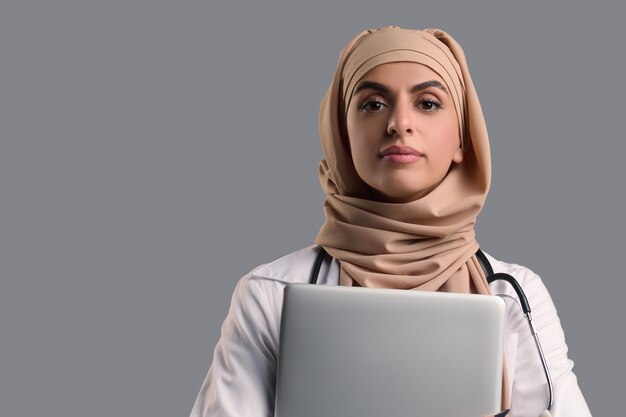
{"x": 400, "y": 190}
{"x": 402, "y": 196}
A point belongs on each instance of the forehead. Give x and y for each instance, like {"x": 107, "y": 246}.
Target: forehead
{"x": 401, "y": 74}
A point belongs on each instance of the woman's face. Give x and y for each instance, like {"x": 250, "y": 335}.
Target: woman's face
{"x": 403, "y": 130}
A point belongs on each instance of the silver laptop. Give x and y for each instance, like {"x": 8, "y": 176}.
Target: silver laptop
{"x": 357, "y": 352}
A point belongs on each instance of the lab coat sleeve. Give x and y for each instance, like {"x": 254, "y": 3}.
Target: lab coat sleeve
{"x": 241, "y": 379}
{"x": 530, "y": 391}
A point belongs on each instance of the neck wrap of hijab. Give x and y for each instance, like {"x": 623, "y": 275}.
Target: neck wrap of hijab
{"x": 428, "y": 244}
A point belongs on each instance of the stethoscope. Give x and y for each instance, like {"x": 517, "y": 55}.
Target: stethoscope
{"x": 491, "y": 277}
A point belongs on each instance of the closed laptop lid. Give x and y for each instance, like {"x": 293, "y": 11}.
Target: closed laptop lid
{"x": 377, "y": 352}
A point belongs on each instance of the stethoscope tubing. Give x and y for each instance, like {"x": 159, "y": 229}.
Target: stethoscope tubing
{"x": 525, "y": 306}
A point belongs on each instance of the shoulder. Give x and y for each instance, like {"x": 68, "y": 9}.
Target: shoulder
{"x": 257, "y": 299}
{"x": 519, "y": 272}
{"x": 533, "y": 286}
{"x": 531, "y": 283}
{"x": 294, "y": 267}
{"x": 262, "y": 288}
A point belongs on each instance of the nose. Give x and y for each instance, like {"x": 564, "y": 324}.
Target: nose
{"x": 401, "y": 121}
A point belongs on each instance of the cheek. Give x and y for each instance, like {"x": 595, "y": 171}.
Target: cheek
{"x": 361, "y": 138}
{"x": 449, "y": 136}
{"x": 358, "y": 149}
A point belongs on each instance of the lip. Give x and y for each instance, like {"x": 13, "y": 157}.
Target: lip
{"x": 400, "y": 154}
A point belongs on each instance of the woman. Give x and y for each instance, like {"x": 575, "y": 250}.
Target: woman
{"x": 406, "y": 172}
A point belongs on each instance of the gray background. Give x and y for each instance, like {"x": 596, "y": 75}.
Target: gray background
{"x": 152, "y": 152}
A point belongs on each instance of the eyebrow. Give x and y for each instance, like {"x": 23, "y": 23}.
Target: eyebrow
{"x": 373, "y": 85}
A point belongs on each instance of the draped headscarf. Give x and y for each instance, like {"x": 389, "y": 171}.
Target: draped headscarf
{"x": 426, "y": 244}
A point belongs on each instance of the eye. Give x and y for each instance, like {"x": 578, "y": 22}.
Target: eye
{"x": 429, "y": 104}
{"x": 372, "y": 105}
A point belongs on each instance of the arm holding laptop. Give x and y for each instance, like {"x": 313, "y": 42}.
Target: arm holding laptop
{"x": 241, "y": 379}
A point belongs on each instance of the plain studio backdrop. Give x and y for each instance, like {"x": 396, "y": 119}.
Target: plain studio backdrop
{"x": 152, "y": 152}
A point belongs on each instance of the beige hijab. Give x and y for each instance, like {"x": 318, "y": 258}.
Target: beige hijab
{"x": 427, "y": 244}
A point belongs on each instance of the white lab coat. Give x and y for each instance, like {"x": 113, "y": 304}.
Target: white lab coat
{"x": 241, "y": 379}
